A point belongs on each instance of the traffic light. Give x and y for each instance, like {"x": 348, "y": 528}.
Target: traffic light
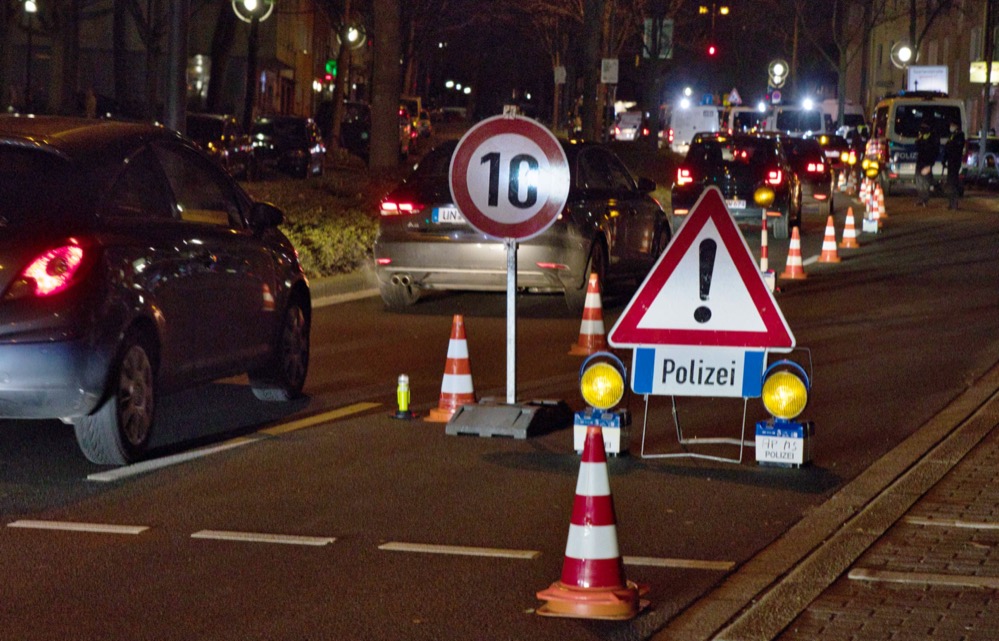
{"x": 331, "y": 68}
{"x": 712, "y": 50}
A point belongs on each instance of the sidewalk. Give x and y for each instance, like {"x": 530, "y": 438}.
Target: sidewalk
{"x": 908, "y": 550}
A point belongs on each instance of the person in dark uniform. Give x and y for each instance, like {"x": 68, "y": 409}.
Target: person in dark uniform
{"x": 953, "y": 155}
{"x": 927, "y": 150}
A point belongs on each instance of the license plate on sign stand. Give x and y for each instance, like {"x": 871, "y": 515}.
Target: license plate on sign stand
{"x": 735, "y": 204}
{"x": 447, "y": 215}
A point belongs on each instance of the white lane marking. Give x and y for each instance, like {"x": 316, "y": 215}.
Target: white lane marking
{"x": 335, "y": 299}
{"x": 72, "y": 526}
{"x": 260, "y": 537}
{"x": 155, "y": 464}
{"x": 309, "y": 421}
{"x": 396, "y": 546}
{"x": 971, "y": 525}
{"x": 925, "y": 578}
{"x": 810, "y": 260}
{"x": 686, "y": 564}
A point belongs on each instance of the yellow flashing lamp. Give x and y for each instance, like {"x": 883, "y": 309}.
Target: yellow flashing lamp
{"x": 785, "y": 390}
{"x": 602, "y": 380}
{"x": 764, "y": 196}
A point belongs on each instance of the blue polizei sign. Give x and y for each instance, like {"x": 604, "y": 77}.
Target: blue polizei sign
{"x": 698, "y": 371}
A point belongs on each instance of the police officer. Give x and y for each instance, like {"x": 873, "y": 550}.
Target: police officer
{"x": 953, "y": 155}
{"x": 927, "y": 150}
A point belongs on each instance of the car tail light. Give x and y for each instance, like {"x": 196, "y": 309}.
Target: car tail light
{"x": 671, "y": 135}
{"x": 399, "y": 208}
{"x": 683, "y": 177}
{"x": 815, "y": 168}
{"x": 51, "y": 272}
{"x": 775, "y": 177}
{"x": 645, "y": 131}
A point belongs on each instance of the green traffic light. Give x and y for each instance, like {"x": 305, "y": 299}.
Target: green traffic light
{"x": 331, "y": 67}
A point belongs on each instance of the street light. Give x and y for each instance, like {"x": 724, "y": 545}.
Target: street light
{"x": 901, "y": 55}
{"x": 30, "y": 8}
{"x": 253, "y": 12}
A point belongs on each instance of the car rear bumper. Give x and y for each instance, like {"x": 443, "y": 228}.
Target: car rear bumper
{"x": 478, "y": 266}
{"x": 50, "y": 380}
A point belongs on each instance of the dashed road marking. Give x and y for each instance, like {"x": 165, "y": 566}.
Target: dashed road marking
{"x": 119, "y": 473}
{"x": 458, "y": 550}
{"x": 684, "y": 564}
{"x": 309, "y": 421}
{"x": 260, "y": 537}
{"x": 72, "y": 526}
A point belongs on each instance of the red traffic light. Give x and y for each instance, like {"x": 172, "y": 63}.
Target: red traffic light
{"x": 712, "y": 50}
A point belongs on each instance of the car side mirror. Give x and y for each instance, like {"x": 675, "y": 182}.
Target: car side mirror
{"x": 264, "y": 215}
{"x": 646, "y": 185}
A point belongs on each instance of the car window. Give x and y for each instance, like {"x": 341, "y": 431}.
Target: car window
{"x": 203, "y": 193}
{"x": 908, "y": 118}
{"x": 35, "y": 187}
{"x": 730, "y": 151}
{"x": 597, "y": 169}
{"x": 139, "y": 192}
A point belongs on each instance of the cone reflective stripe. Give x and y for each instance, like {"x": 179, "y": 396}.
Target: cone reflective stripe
{"x": 879, "y": 195}
{"x": 849, "y": 232}
{"x": 764, "y": 249}
{"x": 456, "y": 386}
{"x": 592, "y": 584}
{"x": 592, "y": 337}
{"x": 829, "y": 253}
{"x": 795, "y": 269}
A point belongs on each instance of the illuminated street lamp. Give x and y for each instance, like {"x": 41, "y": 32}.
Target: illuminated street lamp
{"x": 253, "y": 12}
{"x": 902, "y": 55}
{"x": 30, "y": 8}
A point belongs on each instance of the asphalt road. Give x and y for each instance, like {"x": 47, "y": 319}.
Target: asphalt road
{"x": 327, "y": 496}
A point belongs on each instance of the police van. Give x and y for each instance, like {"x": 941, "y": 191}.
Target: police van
{"x": 896, "y": 122}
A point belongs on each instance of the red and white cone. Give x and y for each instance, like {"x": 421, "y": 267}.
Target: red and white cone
{"x": 829, "y": 253}
{"x": 879, "y": 195}
{"x": 593, "y": 584}
{"x": 592, "y": 338}
{"x": 849, "y": 232}
{"x": 456, "y": 387}
{"x": 795, "y": 268}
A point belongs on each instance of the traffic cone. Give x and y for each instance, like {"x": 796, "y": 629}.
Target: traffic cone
{"x": 849, "y": 232}
{"x": 456, "y": 388}
{"x": 829, "y": 253}
{"x": 841, "y": 182}
{"x": 592, "y": 585}
{"x": 879, "y": 195}
{"x": 795, "y": 269}
{"x": 591, "y": 331}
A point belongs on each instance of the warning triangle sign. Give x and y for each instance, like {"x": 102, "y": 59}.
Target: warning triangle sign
{"x": 705, "y": 289}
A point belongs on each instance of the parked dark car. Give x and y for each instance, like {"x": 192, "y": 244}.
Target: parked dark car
{"x": 222, "y": 137}
{"x": 838, "y": 151}
{"x": 132, "y": 265}
{"x": 810, "y": 163}
{"x": 292, "y": 144}
{"x": 610, "y": 226}
{"x": 753, "y": 174}
{"x": 981, "y": 169}
{"x": 355, "y": 130}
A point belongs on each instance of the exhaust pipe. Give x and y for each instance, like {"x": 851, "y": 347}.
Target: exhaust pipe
{"x": 403, "y": 280}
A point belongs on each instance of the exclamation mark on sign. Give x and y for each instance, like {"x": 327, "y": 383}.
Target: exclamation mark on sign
{"x": 708, "y": 248}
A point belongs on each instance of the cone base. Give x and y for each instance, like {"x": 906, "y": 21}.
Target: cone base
{"x": 829, "y": 259}
{"x": 438, "y": 415}
{"x": 616, "y": 604}
{"x": 849, "y": 244}
{"x": 585, "y": 350}
{"x": 797, "y": 275}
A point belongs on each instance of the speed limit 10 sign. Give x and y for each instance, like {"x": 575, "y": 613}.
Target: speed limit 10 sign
{"x": 509, "y": 177}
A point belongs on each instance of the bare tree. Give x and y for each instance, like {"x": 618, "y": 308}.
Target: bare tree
{"x": 385, "y": 86}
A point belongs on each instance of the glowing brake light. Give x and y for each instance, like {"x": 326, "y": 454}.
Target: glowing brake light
{"x": 683, "y": 177}
{"x": 49, "y": 273}
{"x": 671, "y": 135}
{"x": 401, "y": 208}
{"x": 815, "y": 167}
{"x": 775, "y": 177}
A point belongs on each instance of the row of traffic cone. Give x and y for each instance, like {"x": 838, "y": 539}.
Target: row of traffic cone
{"x": 795, "y": 269}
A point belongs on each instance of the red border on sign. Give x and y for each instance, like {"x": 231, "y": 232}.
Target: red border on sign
{"x": 462, "y": 158}
{"x": 710, "y": 206}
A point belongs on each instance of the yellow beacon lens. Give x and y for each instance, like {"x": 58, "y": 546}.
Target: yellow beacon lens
{"x": 764, "y": 196}
{"x": 602, "y": 386}
{"x": 784, "y": 395}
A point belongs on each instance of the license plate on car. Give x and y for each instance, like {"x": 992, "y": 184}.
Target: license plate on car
{"x": 735, "y": 204}
{"x": 447, "y": 215}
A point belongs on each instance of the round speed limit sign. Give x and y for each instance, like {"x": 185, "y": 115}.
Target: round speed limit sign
{"x": 509, "y": 177}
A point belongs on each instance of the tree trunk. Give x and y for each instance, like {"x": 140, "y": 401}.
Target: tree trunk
{"x": 119, "y": 52}
{"x": 222, "y": 40}
{"x": 385, "y": 86}
{"x": 591, "y": 66}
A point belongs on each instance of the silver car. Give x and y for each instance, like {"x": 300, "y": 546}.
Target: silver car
{"x": 610, "y": 226}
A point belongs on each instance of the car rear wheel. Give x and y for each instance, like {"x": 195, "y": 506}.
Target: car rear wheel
{"x": 575, "y": 298}
{"x": 118, "y": 432}
{"x": 782, "y": 225}
{"x": 284, "y": 378}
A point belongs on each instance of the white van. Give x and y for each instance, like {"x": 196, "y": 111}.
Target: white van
{"x": 895, "y": 124}
{"x": 746, "y": 119}
{"x": 798, "y": 121}
{"x": 687, "y": 121}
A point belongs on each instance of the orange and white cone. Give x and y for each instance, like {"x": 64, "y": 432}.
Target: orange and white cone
{"x": 879, "y": 195}
{"x": 829, "y": 253}
{"x": 591, "y": 332}
{"x": 592, "y": 585}
{"x": 795, "y": 269}
{"x": 849, "y": 232}
{"x": 456, "y": 388}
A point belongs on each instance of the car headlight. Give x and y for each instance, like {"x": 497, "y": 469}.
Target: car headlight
{"x": 601, "y": 382}
{"x": 785, "y": 390}
{"x": 764, "y": 196}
